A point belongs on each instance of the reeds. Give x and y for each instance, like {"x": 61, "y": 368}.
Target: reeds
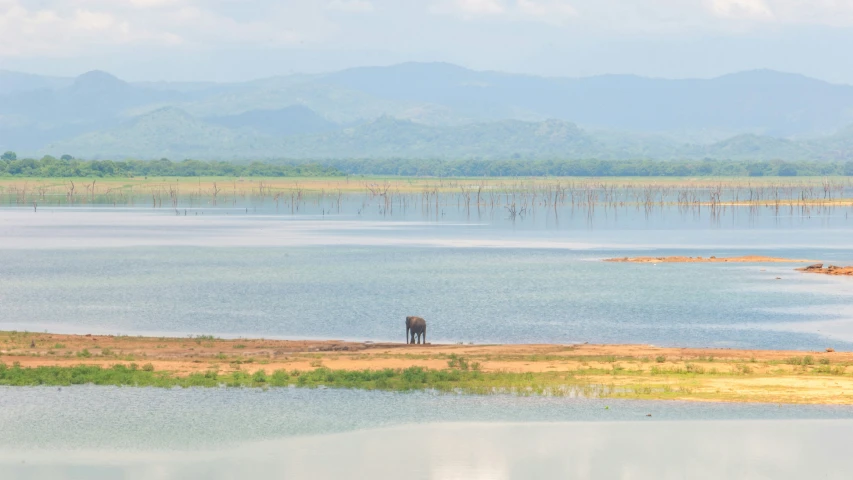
{"x": 515, "y": 199}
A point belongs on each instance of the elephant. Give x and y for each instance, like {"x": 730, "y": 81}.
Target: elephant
{"x": 416, "y": 328}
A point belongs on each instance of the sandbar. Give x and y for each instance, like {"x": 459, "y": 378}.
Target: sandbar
{"x": 711, "y": 259}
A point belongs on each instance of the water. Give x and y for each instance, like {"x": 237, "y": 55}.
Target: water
{"x": 137, "y": 272}
{"x": 249, "y": 270}
{"x": 109, "y": 432}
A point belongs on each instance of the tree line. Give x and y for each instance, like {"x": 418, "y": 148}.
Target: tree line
{"x": 588, "y": 168}
{"x": 68, "y": 166}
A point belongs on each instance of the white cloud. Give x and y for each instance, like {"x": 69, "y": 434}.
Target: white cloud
{"x": 546, "y": 7}
{"x": 350, "y": 6}
{"x": 152, "y": 3}
{"x": 742, "y": 9}
{"x": 79, "y": 28}
{"x": 551, "y": 11}
{"x": 469, "y": 8}
{"x": 54, "y": 32}
{"x": 481, "y": 6}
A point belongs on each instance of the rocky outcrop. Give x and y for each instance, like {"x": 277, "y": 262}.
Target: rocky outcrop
{"x": 830, "y": 270}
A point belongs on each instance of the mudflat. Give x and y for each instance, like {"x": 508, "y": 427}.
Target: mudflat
{"x": 711, "y": 259}
{"x": 624, "y": 371}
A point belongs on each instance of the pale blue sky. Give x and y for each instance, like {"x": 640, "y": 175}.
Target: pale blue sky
{"x": 244, "y": 39}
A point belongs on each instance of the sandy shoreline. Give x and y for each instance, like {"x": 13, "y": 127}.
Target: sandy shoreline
{"x": 704, "y": 374}
{"x": 711, "y": 259}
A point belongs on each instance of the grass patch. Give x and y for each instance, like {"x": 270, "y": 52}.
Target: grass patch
{"x": 412, "y": 378}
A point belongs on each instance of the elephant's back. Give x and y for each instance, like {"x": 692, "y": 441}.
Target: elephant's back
{"x": 415, "y": 322}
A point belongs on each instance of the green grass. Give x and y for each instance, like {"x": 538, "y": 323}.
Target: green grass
{"x": 413, "y": 378}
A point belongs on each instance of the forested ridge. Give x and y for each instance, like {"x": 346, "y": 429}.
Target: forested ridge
{"x": 68, "y": 166}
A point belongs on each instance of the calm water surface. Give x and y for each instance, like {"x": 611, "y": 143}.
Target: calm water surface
{"x": 476, "y": 278}
{"x": 109, "y": 432}
{"x": 135, "y": 271}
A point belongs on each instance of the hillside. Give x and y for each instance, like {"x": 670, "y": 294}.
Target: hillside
{"x": 171, "y": 132}
{"x": 431, "y": 109}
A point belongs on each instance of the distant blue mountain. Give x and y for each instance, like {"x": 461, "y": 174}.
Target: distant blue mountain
{"x": 760, "y": 101}
{"x": 434, "y": 109}
{"x": 294, "y": 120}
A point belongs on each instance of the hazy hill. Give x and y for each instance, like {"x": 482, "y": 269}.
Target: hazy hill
{"x": 15, "y": 82}
{"x": 431, "y": 109}
{"x": 293, "y": 120}
{"x": 760, "y": 101}
{"x": 173, "y": 133}
{"x": 162, "y": 133}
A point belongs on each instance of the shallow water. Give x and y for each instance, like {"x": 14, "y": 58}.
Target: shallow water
{"x": 109, "y": 432}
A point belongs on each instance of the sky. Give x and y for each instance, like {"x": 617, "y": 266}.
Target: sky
{"x": 235, "y": 40}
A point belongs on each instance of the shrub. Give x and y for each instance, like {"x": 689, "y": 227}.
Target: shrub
{"x": 457, "y": 362}
{"x": 660, "y": 359}
{"x": 148, "y": 367}
{"x": 695, "y": 368}
{"x": 415, "y": 375}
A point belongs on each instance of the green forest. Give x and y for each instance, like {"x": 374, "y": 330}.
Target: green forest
{"x": 68, "y": 166}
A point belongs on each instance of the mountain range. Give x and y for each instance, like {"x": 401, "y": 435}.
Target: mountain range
{"x": 430, "y": 110}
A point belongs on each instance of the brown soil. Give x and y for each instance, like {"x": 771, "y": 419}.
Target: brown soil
{"x": 723, "y": 374}
{"x": 712, "y": 259}
{"x": 830, "y": 270}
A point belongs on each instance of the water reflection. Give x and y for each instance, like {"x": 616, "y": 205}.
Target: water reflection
{"x": 618, "y": 450}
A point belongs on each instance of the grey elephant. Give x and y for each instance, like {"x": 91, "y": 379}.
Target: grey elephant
{"x": 415, "y": 328}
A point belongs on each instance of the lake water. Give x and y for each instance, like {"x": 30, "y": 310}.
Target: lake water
{"x": 108, "y": 432}
{"x": 234, "y": 272}
{"x": 487, "y": 278}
